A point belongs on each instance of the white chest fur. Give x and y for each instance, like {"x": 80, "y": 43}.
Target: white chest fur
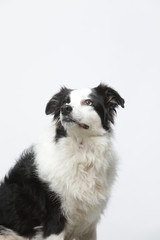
{"x": 81, "y": 172}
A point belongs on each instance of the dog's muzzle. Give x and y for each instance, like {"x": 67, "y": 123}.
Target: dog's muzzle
{"x": 66, "y": 110}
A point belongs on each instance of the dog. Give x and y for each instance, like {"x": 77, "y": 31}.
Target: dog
{"x": 60, "y": 186}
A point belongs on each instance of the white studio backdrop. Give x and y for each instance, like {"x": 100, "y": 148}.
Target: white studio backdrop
{"x": 47, "y": 44}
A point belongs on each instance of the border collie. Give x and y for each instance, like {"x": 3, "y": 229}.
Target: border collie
{"x": 59, "y": 187}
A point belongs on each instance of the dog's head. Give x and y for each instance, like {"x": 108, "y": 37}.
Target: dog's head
{"x": 90, "y": 110}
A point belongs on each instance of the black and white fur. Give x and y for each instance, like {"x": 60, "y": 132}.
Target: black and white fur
{"x": 60, "y": 186}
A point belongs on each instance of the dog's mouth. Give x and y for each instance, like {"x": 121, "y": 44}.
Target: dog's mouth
{"x": 68, "y": 119}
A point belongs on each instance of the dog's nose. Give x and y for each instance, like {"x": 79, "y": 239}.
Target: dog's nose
{"x": 66, "y": 109}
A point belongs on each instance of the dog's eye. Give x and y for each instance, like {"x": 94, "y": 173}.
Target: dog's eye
{"x": 88, "y": 102}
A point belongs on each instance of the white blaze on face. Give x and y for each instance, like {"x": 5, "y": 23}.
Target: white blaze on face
{"x": 79, "y": 95}
{"x": 84, "y": 114}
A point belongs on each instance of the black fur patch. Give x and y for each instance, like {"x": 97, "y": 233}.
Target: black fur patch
{"x": 105, "y": 101}
{"x": 55, "y": 103}
{"x": 26, "y": 201}
{"x": 54, "y": 107}
{"x": 60, "y": 132}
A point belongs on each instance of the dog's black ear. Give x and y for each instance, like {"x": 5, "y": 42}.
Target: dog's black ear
{"x": 55, "y": 103}
{"x": 112, "y": 97}
{"x": 112, "y": 100}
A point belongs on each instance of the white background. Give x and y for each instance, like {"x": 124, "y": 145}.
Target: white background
{"x": 46, "y": 44}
